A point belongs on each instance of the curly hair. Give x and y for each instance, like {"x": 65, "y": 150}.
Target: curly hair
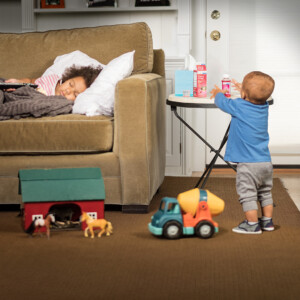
{"x": 89, "y": 73}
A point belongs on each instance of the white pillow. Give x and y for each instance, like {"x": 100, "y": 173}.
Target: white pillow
{"x": 99, "y": 98}
{"x": 65, "y": 61}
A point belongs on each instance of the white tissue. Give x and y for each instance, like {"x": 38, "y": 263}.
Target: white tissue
{"x": 190, "y": 62}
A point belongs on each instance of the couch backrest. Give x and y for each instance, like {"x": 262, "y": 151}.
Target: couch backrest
{"x": 30, "y": 54}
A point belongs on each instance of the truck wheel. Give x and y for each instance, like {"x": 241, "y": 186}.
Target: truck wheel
{"x": 204, "y": 230}
{"x": 172, "y": 230}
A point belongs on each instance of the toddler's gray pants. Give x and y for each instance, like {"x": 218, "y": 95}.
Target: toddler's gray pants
{"x": 254, "y": 182}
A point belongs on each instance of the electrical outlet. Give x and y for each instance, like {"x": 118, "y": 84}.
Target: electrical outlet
{"x": 36, "y": 217}
{"x": 93, "y": 215}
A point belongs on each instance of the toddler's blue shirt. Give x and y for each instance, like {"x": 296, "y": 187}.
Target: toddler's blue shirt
{"x": 248, "y": 138}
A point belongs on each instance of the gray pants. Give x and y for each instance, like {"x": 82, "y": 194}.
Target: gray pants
{"x": 254, "y": 182}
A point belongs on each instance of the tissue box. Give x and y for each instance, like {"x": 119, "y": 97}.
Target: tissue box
{"x": 184, "y": 83}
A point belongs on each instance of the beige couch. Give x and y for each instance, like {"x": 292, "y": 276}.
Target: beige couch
{"x": 129, "y": 147}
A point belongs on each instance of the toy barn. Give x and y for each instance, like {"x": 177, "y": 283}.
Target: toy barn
{"x": 66, "y": 193}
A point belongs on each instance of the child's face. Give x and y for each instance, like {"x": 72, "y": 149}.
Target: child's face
{"x": 71, "y": 88}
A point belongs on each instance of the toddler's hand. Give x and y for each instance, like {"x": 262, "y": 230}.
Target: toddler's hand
{"x": 215, "y": 91}
{"x": 236, "y": 85}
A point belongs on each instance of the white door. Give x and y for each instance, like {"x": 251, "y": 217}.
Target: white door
{"x": 259, "y": 35}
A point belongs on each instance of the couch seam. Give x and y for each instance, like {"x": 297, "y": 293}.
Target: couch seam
{"x": 120, "y": 163}
{"x": 146, "y": 136}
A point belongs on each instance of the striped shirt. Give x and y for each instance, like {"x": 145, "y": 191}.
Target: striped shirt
{"x": 48, "y": 83}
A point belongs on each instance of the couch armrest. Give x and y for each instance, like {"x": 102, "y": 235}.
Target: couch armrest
{"x": 139, "y": 138}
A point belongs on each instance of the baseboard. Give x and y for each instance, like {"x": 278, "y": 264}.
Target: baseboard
{"x": 221, "y": 166}
{"x": 286, "y": 166}
{"x": 10, "y": 207}
{"x": 135, "y": 209}
{"x": 274, "y": 166}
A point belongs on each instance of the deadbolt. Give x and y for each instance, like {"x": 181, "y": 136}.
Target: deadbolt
{"x": 215, "y": 35}
{"x": 215, "y": 15}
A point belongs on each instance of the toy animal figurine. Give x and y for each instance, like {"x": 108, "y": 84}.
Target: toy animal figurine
{"x": 105, "y": 226}
{"x": 37, "y": 224}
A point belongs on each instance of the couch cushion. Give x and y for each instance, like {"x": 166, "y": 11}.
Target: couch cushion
{"x": 102, "y": 43}
{"x": 61, "y": 134}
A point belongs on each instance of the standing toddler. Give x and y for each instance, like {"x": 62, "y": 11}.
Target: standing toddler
{"x": 247, "y": 146}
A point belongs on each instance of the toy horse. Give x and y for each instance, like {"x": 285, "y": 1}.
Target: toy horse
{"x": 104, "y": 225}
{"x": 39, "y": 223}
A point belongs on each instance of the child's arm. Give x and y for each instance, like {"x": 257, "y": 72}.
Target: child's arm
{"x": 225, "y": 104}
{"x": 23, "y": 80}
{"x": 215, "y": 91}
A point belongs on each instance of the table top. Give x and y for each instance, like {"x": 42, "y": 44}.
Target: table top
{"x": 191, "y": 102}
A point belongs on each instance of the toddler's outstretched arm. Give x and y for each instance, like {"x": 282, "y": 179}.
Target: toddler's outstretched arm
{"x": 215, "y": 91}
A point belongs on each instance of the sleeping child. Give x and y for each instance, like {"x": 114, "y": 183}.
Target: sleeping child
{"x": 74, "y": 81}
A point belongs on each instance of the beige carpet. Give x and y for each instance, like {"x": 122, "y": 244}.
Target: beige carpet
{"x": 133, "y": 264}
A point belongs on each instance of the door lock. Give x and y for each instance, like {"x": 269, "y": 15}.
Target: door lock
{"x": 215, "y": 15}
{"x": 215, "y": 35}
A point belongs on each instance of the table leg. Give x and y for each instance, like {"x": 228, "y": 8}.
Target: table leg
{"x": 208, "y": 169}
{"x": 173, "y": 108}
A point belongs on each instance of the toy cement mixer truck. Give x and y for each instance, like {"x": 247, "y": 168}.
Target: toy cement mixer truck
{"x": 191, "y": 213}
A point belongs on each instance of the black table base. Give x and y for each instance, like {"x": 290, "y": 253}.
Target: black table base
{"x": 203, "y": 179}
